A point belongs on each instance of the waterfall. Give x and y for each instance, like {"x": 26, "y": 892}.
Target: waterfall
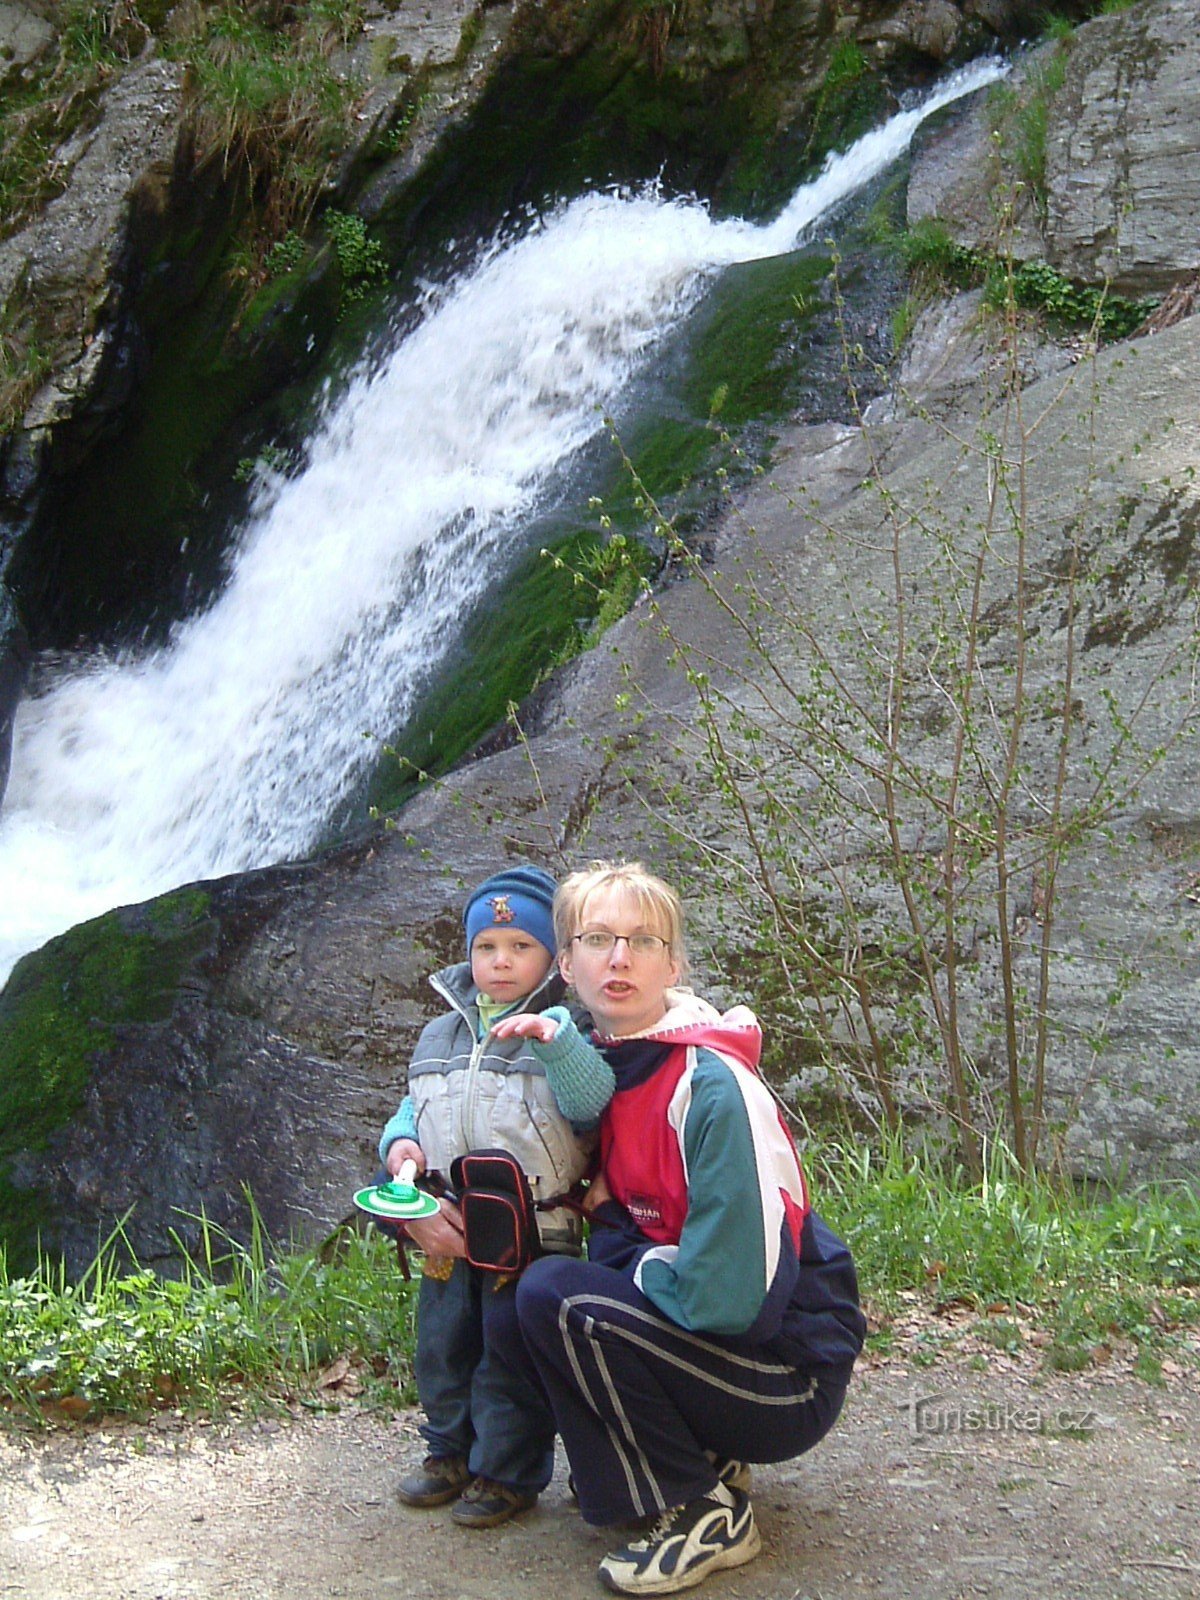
{"x": 230, "y": 746}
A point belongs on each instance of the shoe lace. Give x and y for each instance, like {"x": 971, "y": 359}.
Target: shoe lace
{"x": 657, "y": 1531}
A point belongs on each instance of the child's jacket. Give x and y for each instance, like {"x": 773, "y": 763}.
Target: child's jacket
{"x": 473, "y": 1094}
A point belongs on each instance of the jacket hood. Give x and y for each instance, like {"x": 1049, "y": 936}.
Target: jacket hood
{"x": 689, "y": 1020}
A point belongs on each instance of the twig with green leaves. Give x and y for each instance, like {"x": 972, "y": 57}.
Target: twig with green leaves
{"x": 894, "y": 802}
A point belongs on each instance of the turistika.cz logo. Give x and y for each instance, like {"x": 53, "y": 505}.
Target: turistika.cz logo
{"x": 935, "y": 1414}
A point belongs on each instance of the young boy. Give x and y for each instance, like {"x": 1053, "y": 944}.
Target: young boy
{"x": 490, "y": 1432}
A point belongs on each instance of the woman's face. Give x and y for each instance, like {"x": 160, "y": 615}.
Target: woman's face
{"x": 624, "y": 989}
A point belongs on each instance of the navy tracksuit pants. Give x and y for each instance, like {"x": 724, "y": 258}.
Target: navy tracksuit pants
{"x": 639, "y": 1400}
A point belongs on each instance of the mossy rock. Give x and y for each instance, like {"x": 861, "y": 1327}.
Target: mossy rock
{"x": 60, "y": 1016}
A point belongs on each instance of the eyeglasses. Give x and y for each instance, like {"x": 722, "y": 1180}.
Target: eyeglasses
{"x": 638, "y": 944}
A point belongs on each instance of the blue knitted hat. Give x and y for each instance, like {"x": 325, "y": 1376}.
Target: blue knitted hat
{"x": 519, "y": 897}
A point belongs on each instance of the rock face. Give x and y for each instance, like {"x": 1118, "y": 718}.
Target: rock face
{"x": 69, "y": 260}
{"x": 1121, "y": 154}
{"x": 256, "y": 1031}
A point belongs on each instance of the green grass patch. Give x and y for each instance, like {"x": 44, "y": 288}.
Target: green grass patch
{"x": 1090, "y": 1266}
{"x": 929, "y": 250}
{"x": 266, "y": 98}
{"x": 238, "y": 1321}
{"x": 1085, "y": 1268}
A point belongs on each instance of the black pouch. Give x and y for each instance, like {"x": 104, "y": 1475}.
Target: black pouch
{"x": 499, "y": 1217}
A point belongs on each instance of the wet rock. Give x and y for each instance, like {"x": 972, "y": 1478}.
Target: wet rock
{"x": 14, "y": 663}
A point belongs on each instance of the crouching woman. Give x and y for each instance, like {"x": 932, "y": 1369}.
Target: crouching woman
{"x": 716, "y": 1319}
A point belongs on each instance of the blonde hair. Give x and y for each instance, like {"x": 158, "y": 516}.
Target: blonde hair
{"x": 658, "y": 904}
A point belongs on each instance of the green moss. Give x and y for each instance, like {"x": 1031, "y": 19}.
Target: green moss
{"x": 59, "y": 1014}
{"x": 754, "y": 314}
{"x": 851, "y": 99}
{"x": 508, "y": 641}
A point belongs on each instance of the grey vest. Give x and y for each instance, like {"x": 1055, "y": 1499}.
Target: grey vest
{"x": 473, "y": 1094}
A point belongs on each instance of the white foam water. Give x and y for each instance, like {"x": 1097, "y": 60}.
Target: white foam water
{"x": 231, "y": 746}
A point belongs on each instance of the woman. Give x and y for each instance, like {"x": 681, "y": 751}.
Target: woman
{"x": 716, "y": 1320}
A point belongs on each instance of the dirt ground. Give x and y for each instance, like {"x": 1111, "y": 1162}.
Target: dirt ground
{"x": 938, "y": 1483}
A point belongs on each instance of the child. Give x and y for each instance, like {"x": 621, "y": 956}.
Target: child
{"x": 716, "y": 1320}
{"x": 490, "y": 1433}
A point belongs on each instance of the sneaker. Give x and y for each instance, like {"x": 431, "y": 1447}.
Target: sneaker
{"x": 485, "y": 1504}
{"x": 733, "y": 1474}
{"x": 436, "y": 1480}
{"x": 683, "y": 1547}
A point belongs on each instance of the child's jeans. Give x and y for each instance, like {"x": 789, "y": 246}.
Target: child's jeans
{"x": 494, "y": 1416}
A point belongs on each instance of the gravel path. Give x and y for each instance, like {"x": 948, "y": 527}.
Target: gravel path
{"x": 937, "y": 1483}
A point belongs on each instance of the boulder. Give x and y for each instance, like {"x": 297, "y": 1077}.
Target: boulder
{"x": 1123, "y": 152}
{"x": 1121, "y": 187}
{"x": 930, "y": 27}
{"x": 24, "y": 39}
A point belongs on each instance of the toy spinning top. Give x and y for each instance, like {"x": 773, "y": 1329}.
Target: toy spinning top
{"x": 400, "y": 1200}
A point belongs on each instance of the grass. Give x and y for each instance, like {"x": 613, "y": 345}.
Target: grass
{"x": 1085, "y": 1267}
{"x": 266, "y": 100}
{"x": 240, "y": 1322}
{"x": 1020, "y": 1262}
{"x": 932, "y": 256}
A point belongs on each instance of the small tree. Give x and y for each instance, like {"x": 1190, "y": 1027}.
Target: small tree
{"x": 894, "y": 791}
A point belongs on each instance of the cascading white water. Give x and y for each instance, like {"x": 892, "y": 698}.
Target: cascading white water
{"x": 230, "y": 746}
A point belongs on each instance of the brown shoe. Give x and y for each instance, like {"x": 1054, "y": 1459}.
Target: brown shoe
{"x": 436, "y": 1480}
{"x": 485, "y": 1504}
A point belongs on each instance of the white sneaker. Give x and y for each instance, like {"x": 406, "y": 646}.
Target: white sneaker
{"x": 683, "y": 1547}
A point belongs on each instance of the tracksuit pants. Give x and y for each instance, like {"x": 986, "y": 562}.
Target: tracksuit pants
{"x": 638, "y": 1401}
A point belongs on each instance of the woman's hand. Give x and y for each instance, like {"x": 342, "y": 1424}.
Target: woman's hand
{"x": 525, "y": 1025}
{"x": 441, "y": 1235}
{"x": 400, "y": 1151}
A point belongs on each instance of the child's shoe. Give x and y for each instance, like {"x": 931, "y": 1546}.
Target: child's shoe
{"x": 485, "y": 1504}
{"x": 685, "y": 1545}
{"x": 436, "y": 1480}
